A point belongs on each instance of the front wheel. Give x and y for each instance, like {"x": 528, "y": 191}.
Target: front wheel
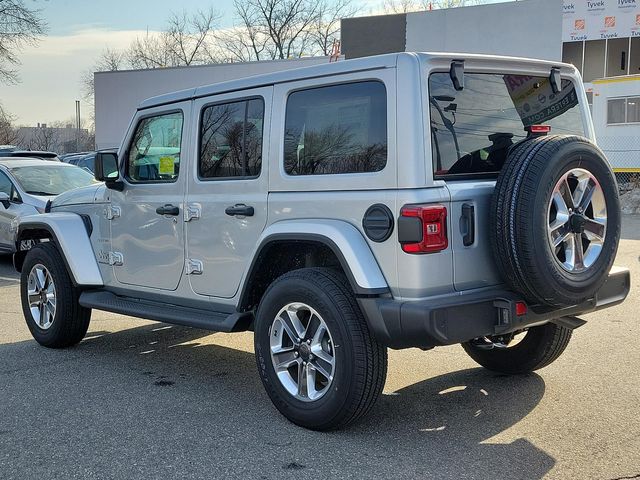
{"x": 515, "y": 354}
{"x": 49, "y": 299}
{"x": 318, "y": 360}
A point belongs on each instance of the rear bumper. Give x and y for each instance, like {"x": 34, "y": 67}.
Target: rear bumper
{"x": 462, "y": 317}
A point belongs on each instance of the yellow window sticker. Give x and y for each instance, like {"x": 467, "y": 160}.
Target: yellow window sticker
{"x": 166, "y": 166}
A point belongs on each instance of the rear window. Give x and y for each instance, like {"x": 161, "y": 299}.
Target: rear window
{"x": 473, "y": 129}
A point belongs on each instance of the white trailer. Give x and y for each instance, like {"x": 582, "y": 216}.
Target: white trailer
{"x": 616, "y": 119}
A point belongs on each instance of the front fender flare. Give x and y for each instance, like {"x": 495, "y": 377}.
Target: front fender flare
{"x": 346, "y": 242}
{"x": 70, "y": 234}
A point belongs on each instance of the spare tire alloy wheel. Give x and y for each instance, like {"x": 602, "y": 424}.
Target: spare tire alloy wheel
{"x": 577, "y": 220}
{"x": 41, "y": 290}
{"x": 302, "y": 352}
{"x": 555, "y": 220}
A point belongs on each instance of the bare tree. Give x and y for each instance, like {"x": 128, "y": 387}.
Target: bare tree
{"x": 43, "y": 138}
{"x": 109, "y": 61}
{"x": 8, "y": 131}
{"x": 19, "y": 26}
{"x": 326, "y": 28}
{"x": 271, "y": 29}
{"x": 406, "y": 6}
{"x": 188, "y": 40}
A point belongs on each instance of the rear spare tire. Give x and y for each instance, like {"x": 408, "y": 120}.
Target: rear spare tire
{"x": 555, "y": 220}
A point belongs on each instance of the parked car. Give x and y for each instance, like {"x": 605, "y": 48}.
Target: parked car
{"x": 51, "y": 156}
{"x": 26, "y": 185}
{"x": 68, "y": 157}
{"x": 7, "y": 148}
{"x": 404, "y": 200}
{"x": 87, "y": 162}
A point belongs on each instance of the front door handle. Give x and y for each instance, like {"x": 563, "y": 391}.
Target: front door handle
{"x": 168, "y": 209}
{"x": 240, "y": 210}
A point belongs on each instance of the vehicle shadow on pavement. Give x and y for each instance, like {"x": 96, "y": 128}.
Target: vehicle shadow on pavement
{"x": 155, "y": 401}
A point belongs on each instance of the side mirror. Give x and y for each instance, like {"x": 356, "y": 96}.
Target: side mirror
{"x": 106, "y": 170}
{"x": 5, "y": 200}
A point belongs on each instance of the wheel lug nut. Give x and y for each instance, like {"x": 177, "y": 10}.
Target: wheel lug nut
{"x": 295, "y": 354}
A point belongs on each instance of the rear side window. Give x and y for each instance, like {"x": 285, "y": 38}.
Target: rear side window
{"x": 154, "y": 155}
{"x": 473, "y": 129}
{"x": 231, "y": 139}
{"x": 336, "y": 129}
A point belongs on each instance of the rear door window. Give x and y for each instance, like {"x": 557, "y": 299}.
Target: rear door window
{"x": 336, "y": 129}
{"x": 473, "y": 129}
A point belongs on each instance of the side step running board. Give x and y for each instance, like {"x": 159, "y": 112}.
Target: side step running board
{"x": 163, "y": 312}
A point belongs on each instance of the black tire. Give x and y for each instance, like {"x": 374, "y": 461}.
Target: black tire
{"x": 70, "y": 320}
{"x": 360, "y": 361}
{"x": 520, "y": 218}
{"x": 541, "y": 346}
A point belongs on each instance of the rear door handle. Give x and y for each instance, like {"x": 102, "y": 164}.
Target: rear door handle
{"x": 468, "y": 224}
{"x": 239, "y": 209}
{"x": 168, "y": 209}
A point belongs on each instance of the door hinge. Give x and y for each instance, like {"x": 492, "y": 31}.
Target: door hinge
{"x": 115, "y": 259}
{"x": 194, "y": 267}
{"x": 112, "y": 212}
{"x": 192, "y": 212}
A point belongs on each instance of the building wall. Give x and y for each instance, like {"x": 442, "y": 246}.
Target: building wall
{"x": 366, "y": 36}
{"x": 117, "y": 94}
{"x": 620, "y": 143}
{"x": 528, "y": 28}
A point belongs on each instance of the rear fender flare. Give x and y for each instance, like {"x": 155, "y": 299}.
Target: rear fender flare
{"x": 346, "y": 242}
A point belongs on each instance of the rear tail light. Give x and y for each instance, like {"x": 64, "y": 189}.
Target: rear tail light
{"x": 423, "y": 228}
{"x": 538, "y": 129}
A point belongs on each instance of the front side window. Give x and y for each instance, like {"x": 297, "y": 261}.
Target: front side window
{"x": 154, "y": 155}
{"x": 231, "y": 140}
{"x": 473, "y": 129}
{"x": 336, "y": 129}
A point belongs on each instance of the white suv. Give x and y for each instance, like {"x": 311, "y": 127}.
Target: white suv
{"x": 405, "y": 200}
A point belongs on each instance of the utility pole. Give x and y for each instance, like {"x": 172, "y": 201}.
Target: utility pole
{"x": 77, "y": 125}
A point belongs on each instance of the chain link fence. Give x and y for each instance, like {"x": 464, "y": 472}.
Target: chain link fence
{"x": 629, "y": 187}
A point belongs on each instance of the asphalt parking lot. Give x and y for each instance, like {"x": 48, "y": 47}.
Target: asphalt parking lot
{"x": 138, "y": 399}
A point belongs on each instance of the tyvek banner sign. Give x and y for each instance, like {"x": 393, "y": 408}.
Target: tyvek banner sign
{"x": 599, "y": 19}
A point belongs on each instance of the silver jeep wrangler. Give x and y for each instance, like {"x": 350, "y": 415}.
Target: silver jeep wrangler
{"x": 404, "y": 200}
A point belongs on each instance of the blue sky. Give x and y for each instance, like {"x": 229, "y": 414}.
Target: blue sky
{"x": 67, "y": 16}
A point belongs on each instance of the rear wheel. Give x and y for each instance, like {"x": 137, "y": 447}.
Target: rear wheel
{"x": 317, "y": 359}
{"x": 531, "y": 350}
{"x": 49, "y": 299}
